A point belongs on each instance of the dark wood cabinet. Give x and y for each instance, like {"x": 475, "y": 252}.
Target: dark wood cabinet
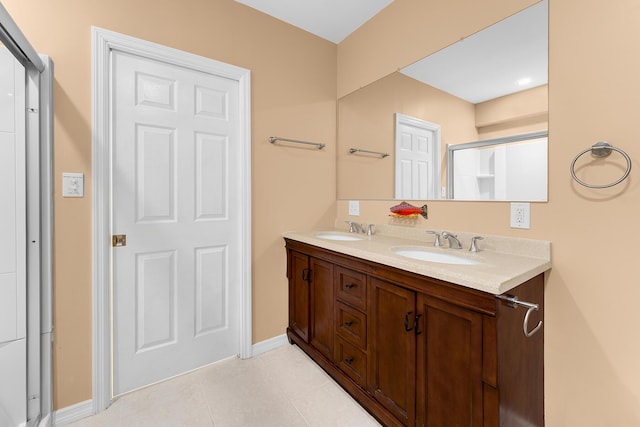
{"x": 413, "y": 350}
{"x": 321, "y": 290}
{"x": 311, "y": 300}
{"x": 392, "y": 351}
{"x": 299, "y": 294}
{"x": 449, "y": 369}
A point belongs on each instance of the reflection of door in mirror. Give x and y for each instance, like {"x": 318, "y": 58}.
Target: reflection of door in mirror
{"x": 417, "y": 158}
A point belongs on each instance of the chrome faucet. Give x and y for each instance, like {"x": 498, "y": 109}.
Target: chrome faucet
{"x": 474, "y": 243}
{"x": 354, "y": 227}
{"x": 437, "y": 243}
{"x": 454, "y": 243}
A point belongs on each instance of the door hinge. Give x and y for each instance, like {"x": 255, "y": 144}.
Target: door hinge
{"x": 118, "y": 240}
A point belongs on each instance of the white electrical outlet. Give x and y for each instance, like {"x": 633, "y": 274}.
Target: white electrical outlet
{"x": 354, "y": 207}
{"x": 521, "y": 215}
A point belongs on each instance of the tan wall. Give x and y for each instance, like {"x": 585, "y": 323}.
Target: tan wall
{"x": 366, "y": 119}
{"x": 591, "y": 326}
{"x": 293, "y": 95}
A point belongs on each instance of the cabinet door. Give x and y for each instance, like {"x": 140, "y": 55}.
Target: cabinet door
{"x": 449, "y": 365}
{"x": 322, "y": 306}
{"x": 299, "y": 294}
{"x": 392, "y": 349}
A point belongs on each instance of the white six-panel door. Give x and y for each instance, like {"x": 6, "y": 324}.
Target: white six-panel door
{"x": 417, "y": 156}
{"x": 176, "y": 197}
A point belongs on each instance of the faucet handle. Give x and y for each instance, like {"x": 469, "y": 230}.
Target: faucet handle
{"x": 437, "y": 243}
{"x": 371, "y": 229}
{"x": 352, "y": 228}
{"x": 474, "y": 243}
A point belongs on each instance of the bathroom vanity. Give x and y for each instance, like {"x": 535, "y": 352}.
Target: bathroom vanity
{"x": 412, "y": 348}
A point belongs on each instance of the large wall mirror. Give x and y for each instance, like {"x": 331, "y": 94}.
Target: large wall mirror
{"x": 488, "y": 87}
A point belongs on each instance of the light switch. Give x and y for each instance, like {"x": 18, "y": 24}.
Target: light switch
{"x": 72, "y": 184}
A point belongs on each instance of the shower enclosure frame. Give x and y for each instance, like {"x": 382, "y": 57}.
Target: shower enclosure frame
{"x": 39, "y": 167}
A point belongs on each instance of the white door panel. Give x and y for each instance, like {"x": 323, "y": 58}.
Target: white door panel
{"x": 176, "y": 197}
{"x": 417, "y": 156}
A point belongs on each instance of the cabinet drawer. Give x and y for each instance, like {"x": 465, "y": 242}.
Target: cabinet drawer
{"x": 351, "y": 287}
{"x": 352, "y": 361}
{"x": 351, "y": 325}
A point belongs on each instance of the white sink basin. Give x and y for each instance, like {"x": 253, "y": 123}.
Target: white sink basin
{"x": 433, "y": 256}
{"x": 334, "y": 235}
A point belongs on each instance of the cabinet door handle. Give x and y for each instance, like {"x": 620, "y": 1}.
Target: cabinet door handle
{"x": 406, "y": 322}
{"x": 350, "y": 286}
{"x": 348, "y": 361}
{"x": 305, "y": 275}
{"x": 348, "y": 324}
{"x": 416, "y": 325}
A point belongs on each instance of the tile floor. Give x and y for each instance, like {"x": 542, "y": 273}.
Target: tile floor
{"x": 280, "y": 388}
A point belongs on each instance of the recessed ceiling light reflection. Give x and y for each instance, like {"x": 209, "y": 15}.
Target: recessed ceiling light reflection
{"x": 524, "y": 81}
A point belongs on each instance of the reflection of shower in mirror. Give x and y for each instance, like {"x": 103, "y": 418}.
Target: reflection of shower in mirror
{"x": 511, "y": 168}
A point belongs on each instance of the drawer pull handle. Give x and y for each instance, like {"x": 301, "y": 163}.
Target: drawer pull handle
{"x": 348, "y": 324}
{"x": 350, "y": 286}
{"x": 406, "y": 322}
{"x": 348, "y": 361}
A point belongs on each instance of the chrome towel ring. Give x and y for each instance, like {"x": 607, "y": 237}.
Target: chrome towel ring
{"x": 601, "y": 150}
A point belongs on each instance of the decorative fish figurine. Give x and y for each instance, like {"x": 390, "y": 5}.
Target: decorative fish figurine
{"x": 405, "y": 210}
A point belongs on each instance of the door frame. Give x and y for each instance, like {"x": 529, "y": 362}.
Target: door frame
{"x": 103, "y": 43}
{"x": 403, "y": 119}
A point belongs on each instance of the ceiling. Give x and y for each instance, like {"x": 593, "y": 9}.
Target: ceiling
{"x": 332, "y": 20}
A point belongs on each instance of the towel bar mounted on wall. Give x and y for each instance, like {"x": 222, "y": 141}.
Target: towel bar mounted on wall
{"x": 601, "y": 150}
{"x": 273, "y": 139}
{"x": 360, "y": 150}
{"x": 514, "y": 302}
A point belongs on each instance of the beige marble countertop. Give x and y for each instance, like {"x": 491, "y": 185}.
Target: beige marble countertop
{"x": 503, "y": 262}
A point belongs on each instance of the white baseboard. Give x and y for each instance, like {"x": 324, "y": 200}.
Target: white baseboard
{"x": 270, "y": 344}
{"x": 73, "y": 413}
